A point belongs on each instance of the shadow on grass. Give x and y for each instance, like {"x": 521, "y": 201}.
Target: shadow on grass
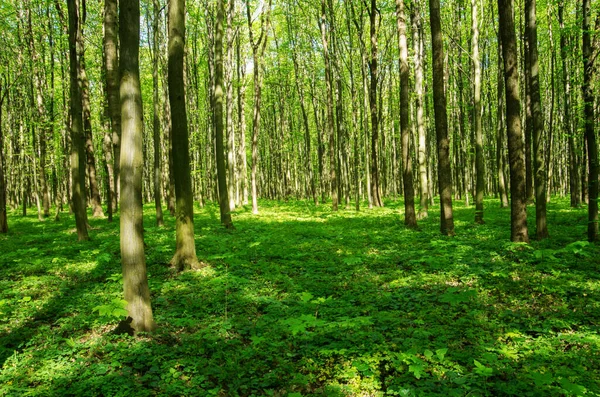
{"x": 302, "y": 300}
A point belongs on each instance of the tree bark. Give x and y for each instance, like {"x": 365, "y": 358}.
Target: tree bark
{"x": 410, "y": 218}
{"x": 185, "y": 253}
{"x": 373, "y": 69}
{"x": 155, "y": 116}
{"x": 479, "y": 164}
{"x": 590, "y": 134}
{"x": 566, "y": 81}
{"x": 111, "y": 60}
{"x": 3, "y": 213}
{"x": 419, "y": 52}
{"x": 224, "y": 204}
{"x": 441, "y": 121}
{"x": 77, "y": 148}
{"x": 500, "y": 163}
{"x": 87, "y": 119}
{"x": 133, "y": 260}
{"x": 518, "y": 218}
{"x": 537, "y": 121}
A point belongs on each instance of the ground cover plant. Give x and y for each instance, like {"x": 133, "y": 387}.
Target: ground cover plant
{"x": 300, "y": 301}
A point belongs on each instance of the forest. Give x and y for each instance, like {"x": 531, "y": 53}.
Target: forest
{"x": 299, "y": 198}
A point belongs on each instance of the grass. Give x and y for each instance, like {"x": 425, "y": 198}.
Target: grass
{"x": 299, "y": 301}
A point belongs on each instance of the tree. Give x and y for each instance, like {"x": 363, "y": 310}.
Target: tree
{"x": 518, "y": 193}
{"x": 441, "y": 121}
{"x": 185, "y": 253}
{"x": 133, "y": 260}
{"x": 588, "y": 113}
{"x": 258, "y": 50}
{"x": 111, "y": 63}
{"x": 537, "y": 121}
{"x": 410, "y": 218}
{"x": 3, "y": 215}
{"x": 477, "y": 109}
{"x": 155, "y": 115}
{"x": 77, "y": 149}
{"x": 373, "y": 64}
{"x": 224, "y": 204}
{"x": 419, "y": 55}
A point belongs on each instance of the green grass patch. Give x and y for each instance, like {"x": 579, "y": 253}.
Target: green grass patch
{"x": 300, "y": 301}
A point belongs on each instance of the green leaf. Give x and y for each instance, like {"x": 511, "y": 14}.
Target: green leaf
{"x": 542, "y": 379}
{"x": 441, "y": 353}
{"x": 306, "y": 297}
{"x": 428, "y": 354}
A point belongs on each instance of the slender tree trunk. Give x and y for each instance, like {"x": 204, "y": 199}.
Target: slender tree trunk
{"x": 258, "y": 49}
{"x": 224, "y": 204}
{"x": 518, "y": 218}
{"x": 419, "y": 51}
{"x": 477, "y": 109}
{"x": 566, "y": 81}
{"x": 590, "y": 134}
{"x": 77, "y": 148}
{"x": 373, "y": 65}
{"x": 3, "y": 214}
{"x": 231, "y": 167}
{"x": 441, "y": 121}
{"x": 156, "y": 112}
{"x": 133, "y": 260}
{"x": 410, "y": 218}
{"x": 500, "y": 131}
{"x": 111, "y": 60}
{"x": 241, "y": 97}
{"x": 87, "y": 119}
{"x": 537, "y": 121}
{"x": 185, "y": 253}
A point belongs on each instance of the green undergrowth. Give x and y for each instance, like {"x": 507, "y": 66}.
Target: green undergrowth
{"x": 300, "y": 301}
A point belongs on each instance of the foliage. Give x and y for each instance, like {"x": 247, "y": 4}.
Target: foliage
{"x": 300, "y": 301}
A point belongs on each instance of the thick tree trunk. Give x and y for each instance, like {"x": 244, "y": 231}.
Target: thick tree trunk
{"x": 185, "y": 253}
{"x": 441, "y": 121}
{"x": 111, "y": 60}
{"x": 537, "y": 121}
{"x": 77, "y": 148}
{"x": 410, "y": 218}
{"x": 518, "y": 191}
{"x": 224, "y": 204}
{"x": 156, "y": 116}
{"x": 133, "y": 260}
{"x": 479, "y": 164}
{"x": 590, "y": 134}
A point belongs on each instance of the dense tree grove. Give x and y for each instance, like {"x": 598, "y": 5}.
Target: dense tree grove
{"x": 332, "y": 101}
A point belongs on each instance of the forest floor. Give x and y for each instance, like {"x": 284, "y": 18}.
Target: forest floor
{"x": 300, "y": 301}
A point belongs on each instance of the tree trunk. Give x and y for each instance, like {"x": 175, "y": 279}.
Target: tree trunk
{"x": 419, "y": 52}
{"x": 410, "y": 218}
{"x": 241, "y": 97}
{"x": 518, "y": 218}
{"x": 500, "y": 163}
{"x": 441, "y": 121}
{"x": 567, "y": 125}
{"x": 537, "y": 121}
{"x": 111, "y": 60}
{"x": 155, "y": 116}
{"x": 133, "y": 260}
{"x": 224, "y": 204}
{"x": 375, "y": 183}
{"x": 590, "y": 134}
{"x": 479, "y": 164}
{"x": 185, "y": 253}
{"x": 3, "y": 214}
{"x": 231, "y": 167}
{"x": 77, "y": 149}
